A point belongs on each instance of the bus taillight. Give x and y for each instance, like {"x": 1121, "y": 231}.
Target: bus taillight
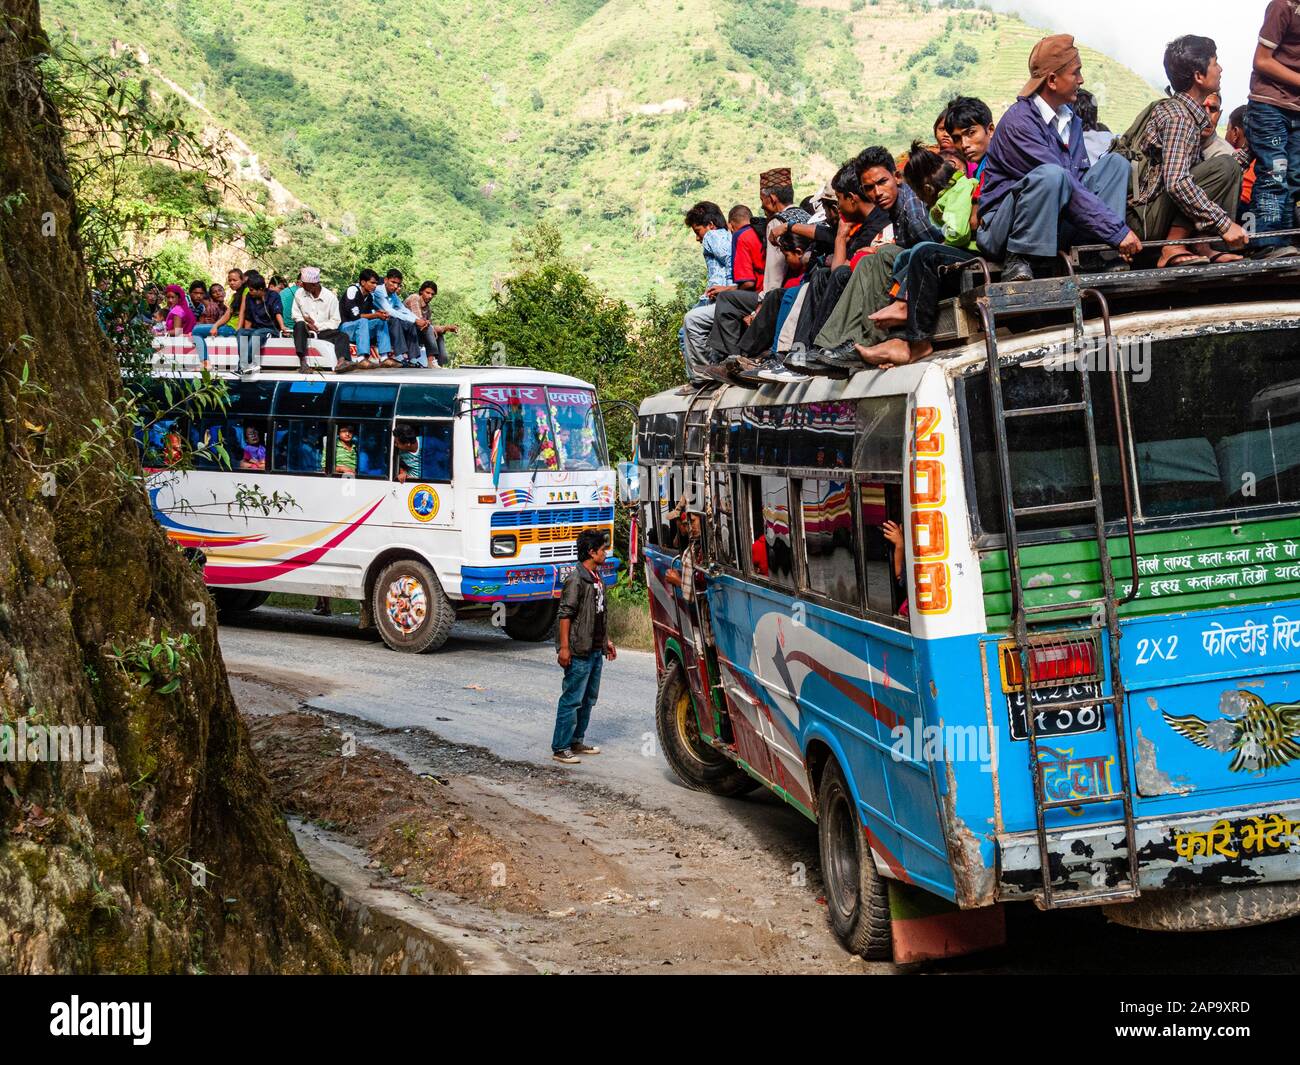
{"x": 1055, "y": 663}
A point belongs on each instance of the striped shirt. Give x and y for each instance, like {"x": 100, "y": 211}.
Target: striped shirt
{"x": 1171, "y": 142}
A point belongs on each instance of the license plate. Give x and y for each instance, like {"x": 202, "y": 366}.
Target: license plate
{"x": 1050, "y": 722}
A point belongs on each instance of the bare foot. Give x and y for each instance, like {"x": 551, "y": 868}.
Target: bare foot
{"x": 894, "y": 314}
{"x": 890, "y": 353}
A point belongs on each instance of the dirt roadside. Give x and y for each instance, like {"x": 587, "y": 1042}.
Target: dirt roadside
{"x": 567, "y": 876}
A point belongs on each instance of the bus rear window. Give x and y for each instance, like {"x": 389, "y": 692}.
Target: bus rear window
{"x": 1215, "y": 424}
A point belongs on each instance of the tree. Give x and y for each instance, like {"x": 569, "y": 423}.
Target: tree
{"x": 172, "y": 857}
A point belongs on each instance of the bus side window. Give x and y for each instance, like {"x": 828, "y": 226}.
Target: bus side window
{"x": 300, "y": 445}
{"x": 250, "y": 444}
{"x": 724, "y": 518}
{"x": 828, "y": 539}
{"x": 422, "y": 452}
{"x": 372, "y": 449}
{"x": 880, "y": 503}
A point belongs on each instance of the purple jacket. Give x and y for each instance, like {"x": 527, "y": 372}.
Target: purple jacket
{"x": 1023, "y": 142}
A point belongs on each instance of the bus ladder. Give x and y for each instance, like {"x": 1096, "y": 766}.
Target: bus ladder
{"x": 1035, "y": 624}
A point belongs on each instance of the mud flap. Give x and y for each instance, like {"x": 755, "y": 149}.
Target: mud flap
{"x": 926, "y": 927}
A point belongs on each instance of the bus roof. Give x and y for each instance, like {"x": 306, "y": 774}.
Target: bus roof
{"x": 470, "y": 375}
{"x": 1143, "y": 324}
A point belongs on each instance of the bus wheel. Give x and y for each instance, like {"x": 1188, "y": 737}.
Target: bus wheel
{"x": 856, "y": 897}
{"x": 532, "y": 622}
{"x": 237, "y": 600}
{"x": 696, "y": 764}
{"x": 410, "y": 608}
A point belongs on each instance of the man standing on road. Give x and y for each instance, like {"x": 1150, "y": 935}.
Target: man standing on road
{"x": 582, "y": 642}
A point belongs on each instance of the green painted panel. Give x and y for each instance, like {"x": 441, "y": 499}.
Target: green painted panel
{"x": 1184, "y": 569}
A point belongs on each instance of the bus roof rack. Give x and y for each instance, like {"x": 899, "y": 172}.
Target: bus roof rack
{"x": 1165, "y": 288}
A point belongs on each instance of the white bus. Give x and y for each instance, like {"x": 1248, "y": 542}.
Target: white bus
{"x": 409, "y": 520}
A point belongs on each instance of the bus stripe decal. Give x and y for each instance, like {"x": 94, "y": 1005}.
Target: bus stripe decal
{"x": 845, "y": 687}
{"x": 250, "y": 574}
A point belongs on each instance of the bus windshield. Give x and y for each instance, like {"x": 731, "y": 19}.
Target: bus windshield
{"x": 549, "y": 429}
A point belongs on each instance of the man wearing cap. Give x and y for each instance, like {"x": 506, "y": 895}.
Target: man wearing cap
{"x": 1039, "y": 192}
{"x": 316, "y": 310}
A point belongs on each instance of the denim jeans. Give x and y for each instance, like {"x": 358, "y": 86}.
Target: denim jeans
{"x": 577, "y": 697}
{"x": 250, "y": 345}
{"x": 365, "y": 332}
{"x": 201, "y": 334}
{"x": 1274, "y": 136}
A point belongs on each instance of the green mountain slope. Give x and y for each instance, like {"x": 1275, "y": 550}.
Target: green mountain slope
{"x": 455, "y": 123}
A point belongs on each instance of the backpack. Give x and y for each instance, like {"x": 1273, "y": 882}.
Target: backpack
{"x": 1126, "y": 145}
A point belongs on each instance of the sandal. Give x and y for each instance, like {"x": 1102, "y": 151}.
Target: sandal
{"x": 1185, "y": 258}
{"x": 1226, "y": 257}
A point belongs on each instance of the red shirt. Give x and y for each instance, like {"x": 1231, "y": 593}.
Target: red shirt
{"x": 749, "y": 260}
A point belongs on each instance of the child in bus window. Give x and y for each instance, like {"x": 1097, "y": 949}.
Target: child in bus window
{"x": 345, "y": 451}
{"x": 254, "y": 456}
{"x": 407, "y": 443}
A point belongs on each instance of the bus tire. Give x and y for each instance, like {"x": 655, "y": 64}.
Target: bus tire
{"x": 411, "y": 611}
{"x": 532, "y": 622}
{"x": 237, "y": 600}
{"x": 697, "y": 765}
{"x": 1212, "y": 908}
{"x": 856, "y": 897}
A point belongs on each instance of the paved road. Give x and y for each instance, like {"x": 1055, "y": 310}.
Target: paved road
{"x": 486, "y": 690}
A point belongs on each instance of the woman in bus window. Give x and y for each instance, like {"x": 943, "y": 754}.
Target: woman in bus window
{"x": 254, "y": 456}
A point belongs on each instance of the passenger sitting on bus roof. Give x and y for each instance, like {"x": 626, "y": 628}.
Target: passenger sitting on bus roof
{"x": 1178, "y": 193}
{"x": 1039, "y": 192}
{"x": 260, "y": 317}
{"x": 1212, "y": 144}
{"x": 950, "y": 194}
{"x": 222, "y": 326}
{"x": 197, "y": 294}
{"x": 431, "y": 336}
{"x": 254, "y": 454}
{"x": 856, "y": 228}
{"x": 776, "y": 192}
{"x": 868, "y": 289}
{"x": 179, "y": 320}
{"x": 287, "y": 293}
{"x": 406, "y": 441}
{"x": 796, "y": 249}
{"x": 345, "y": 451}
{"x": 1097, "y": 139}
{"x": 1273, "y": 124}
{"x": 402, "y": 332}
{"x": 745, "y": 256}
{"x": 316, "y": 310}
{"x": 1236, "y": 138}
{"x": 366, "y": 327}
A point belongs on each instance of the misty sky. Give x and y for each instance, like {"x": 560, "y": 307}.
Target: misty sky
{"x": 1136, "y": 31}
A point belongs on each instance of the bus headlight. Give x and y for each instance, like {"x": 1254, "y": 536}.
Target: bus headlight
{"x": 506, "y": 546}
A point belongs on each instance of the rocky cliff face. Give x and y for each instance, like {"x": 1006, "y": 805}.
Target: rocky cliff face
{"x": 170, "y": 858}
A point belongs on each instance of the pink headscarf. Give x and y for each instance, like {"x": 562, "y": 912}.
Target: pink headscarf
{"x": 180, "y": 319}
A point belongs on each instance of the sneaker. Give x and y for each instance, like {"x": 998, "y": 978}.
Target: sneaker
{"x": 845, "y": 357}
{"x": 566, "y": 756}
{"x": 716, "y": 373}
{"x": 1015, "y": 269}
{"x": 1275, "y": 251}
{"x": 780, "y": 372}
{"x": 582, "y": 748}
